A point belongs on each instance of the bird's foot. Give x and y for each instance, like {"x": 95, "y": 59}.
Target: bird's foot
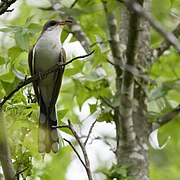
{"x": 60, "y": 63}
{"x": 41, "y": 75}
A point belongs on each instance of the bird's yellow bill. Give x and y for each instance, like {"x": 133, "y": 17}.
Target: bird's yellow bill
{"x": 64, "y": 22}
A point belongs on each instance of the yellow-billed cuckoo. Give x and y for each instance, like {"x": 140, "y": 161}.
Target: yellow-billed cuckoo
{"x": 45, "y": 54}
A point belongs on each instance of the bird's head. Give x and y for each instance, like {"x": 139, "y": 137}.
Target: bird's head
{"x": 54, "y": 26}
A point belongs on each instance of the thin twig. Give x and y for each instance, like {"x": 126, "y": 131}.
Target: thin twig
{"x": 107, "y": 103}
{"x": 19, "y": 172}
{"x": 37, "y": 77}
{"x": 73, "y": 4}
{"x": 90, "y": 131}
{"x": 74, "y": 149}
{"x": 82, "y": 146}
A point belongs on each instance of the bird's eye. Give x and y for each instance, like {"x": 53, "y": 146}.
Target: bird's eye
{"x": 53, "y": 23}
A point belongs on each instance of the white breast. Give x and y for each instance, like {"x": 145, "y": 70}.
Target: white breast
{"x": 47, "y": 53}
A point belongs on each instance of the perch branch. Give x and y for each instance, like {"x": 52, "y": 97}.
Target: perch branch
{"x": 37, "y": 77}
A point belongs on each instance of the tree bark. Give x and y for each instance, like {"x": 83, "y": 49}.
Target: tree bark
{"x": 133, "y": 127}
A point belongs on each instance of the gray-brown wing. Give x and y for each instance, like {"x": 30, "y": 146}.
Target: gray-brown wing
{"x": 58, "y": 79}
{"x": 32, "y": 71}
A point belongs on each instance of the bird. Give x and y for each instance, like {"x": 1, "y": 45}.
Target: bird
{"x": 46, "y": 53}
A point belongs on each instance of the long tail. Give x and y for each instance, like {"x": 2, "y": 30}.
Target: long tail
{"x": 48, "y": 138}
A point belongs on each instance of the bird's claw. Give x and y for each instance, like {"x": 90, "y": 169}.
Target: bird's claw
{"x": 40, "y": 74}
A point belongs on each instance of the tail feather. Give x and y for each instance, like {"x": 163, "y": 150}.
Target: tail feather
{"x": 48, "y": 138}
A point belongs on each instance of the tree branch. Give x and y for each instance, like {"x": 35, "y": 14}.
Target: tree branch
{"x": 21, "y": 171}
{"x": 114, "y": 37}
{"x": 108, "y": 103}
{"x": 4, "y": 5}
{"x": 89, "y": 133}
{"x": 169, "y": 37}
{"x": 74, "y": 149}
{"x": 169, "y": 116}
{"x": 82, "y": 146}
{"x": 38, "y": 77}
{"x": 5, "y": 155}
{"x": 74, "y": 3}
{"x": 166, "y": 44}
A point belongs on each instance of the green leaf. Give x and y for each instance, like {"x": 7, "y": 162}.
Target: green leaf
{"x": 8, "y": 87}
{"x": 77, "y": 68}
{"x": 10, "y": 28}
{"x": 14, "y": 53}
{"x": 6, "y": 30}
{"x": 28, "y": 20}
{"x": 62, "y": 113}
{"x": 172, "y": 2}
{"x": 22, "y": 39}
{"x": 82, "y": 94}
{"x": 34, "y": 28}
{"x": 70, "y": 71}
{"x": 8, "y": 77}
{"x": 118, "y": 172}
{"x": 93, "y": 108}
{"x": 106, "y": 116}
{"x": 157, "y": 93}
{"x": 2, "y": 60}
{"x": 99, "y": 57}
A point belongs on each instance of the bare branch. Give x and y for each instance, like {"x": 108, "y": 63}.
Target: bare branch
{"x": 4, "y": 5}
{"x": 37, "y": 77}
{"x": 74, "y": 149}
{"x": 114, "y": 36}
{"x": 82, "y": 146}
{"x": 169, "y": 116}
{"x": 89, "y": 133}
{"x": 20, "y": 172}
{"x": 133, "y": 70}
{"x": 169, "y": 37}
{"x": 74, "y": 3}
{"x": 166, "y": 44}
{"x": 107, "y": 103}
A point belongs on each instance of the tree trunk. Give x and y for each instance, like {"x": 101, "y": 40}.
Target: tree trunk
{"x": 132, "y": 125}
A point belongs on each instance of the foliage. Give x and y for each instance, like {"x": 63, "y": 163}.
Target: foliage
{"x": 118, "y": 173}
{"x": 84, "y": 80}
